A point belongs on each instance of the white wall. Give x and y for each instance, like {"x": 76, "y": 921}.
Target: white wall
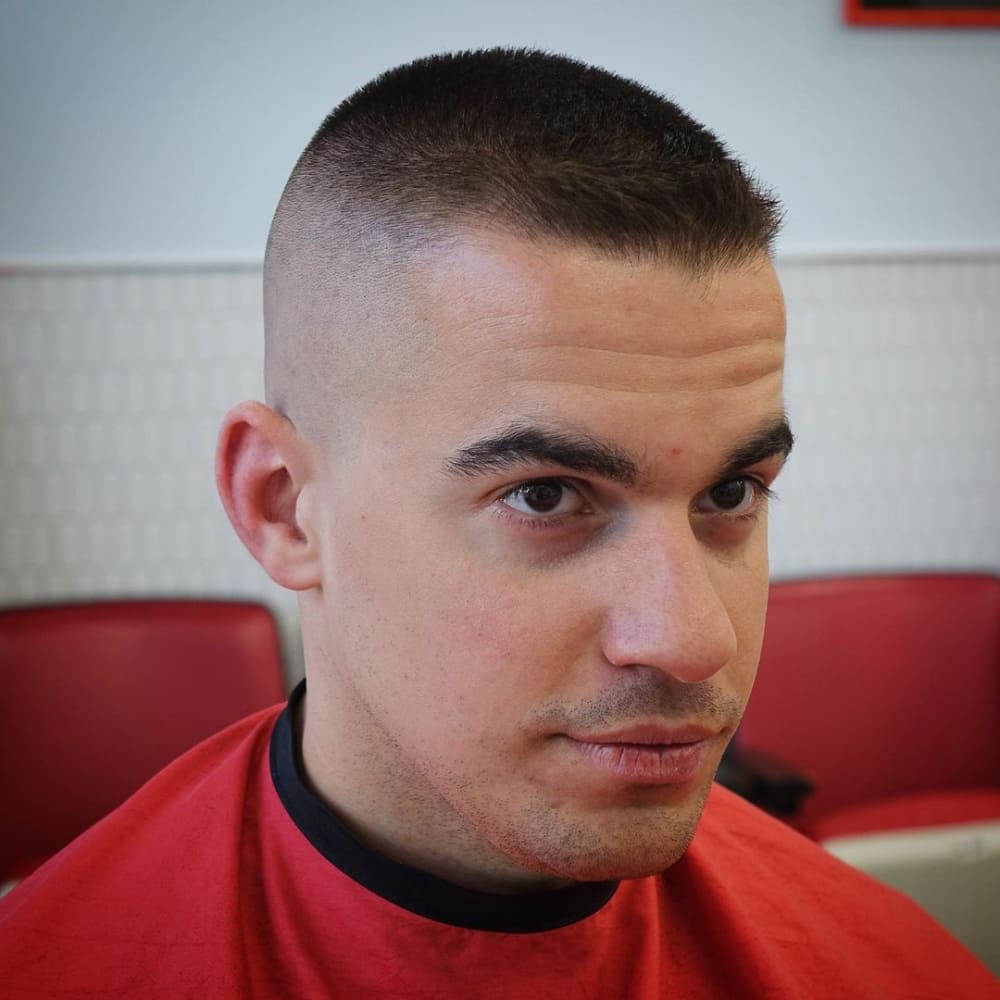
{"x": 165, "y": 130}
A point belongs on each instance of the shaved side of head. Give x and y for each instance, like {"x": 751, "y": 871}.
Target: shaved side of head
{"x": 522, "y": 142}
{"x": 336, "y": 292}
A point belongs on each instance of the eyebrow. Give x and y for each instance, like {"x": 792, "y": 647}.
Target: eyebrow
{"x": 774, "y": 440}
{"x": 521, "y": 444}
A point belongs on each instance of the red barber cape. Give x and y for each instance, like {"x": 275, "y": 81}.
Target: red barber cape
{"x": 225, "y": 877}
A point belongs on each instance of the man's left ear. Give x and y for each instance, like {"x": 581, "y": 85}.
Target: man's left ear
{"x": 261, "y": 470}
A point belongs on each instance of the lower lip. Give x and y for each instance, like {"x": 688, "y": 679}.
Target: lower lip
{"x": 650, "y": 764}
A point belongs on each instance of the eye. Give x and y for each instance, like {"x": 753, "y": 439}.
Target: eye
{"x": 738, "y": 497}
{"x": 544, "y": 498}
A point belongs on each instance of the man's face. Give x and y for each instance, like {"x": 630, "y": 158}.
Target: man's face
{"x": 545, "y": 562}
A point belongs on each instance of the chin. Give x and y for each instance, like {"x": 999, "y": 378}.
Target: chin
{"x": 640, "y": 842}
{"x": 635, "y": 861}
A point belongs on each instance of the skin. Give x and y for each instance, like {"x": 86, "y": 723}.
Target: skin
{"x": 467, "y": 654}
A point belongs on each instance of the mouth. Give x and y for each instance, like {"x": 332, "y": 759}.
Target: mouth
{"x": 650, "y": 754}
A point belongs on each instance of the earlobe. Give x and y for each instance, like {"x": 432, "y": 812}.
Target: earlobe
{"x": 262, "y": 471}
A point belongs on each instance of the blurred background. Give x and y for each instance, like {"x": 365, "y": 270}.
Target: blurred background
{"x": 145, "y": 145}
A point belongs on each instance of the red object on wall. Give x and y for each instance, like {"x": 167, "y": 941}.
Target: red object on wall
{"x": 946, "y": 16}
{"x": 879, "y": 687}
{"x": 96, "y": 698}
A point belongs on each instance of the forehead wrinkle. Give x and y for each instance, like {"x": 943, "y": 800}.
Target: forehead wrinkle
{"x": 633, "y": 390}
{"x": 559, "y": 355}
{"x": 670, "y": 375}
{"x": 530, "y": 332}
{"x": 513, "y": 348}
{"x": 659, "y": 355}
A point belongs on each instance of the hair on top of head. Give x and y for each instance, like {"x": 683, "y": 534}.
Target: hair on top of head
{"x": 521, "y": 142}
{"x": 540, "y": 144}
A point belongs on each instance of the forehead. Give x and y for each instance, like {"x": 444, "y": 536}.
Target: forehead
{"x": 500, "y": 331}
{"x": 535, "y": 301}
{"x": 508, "y": 325}
{"x": 497, "y": 277}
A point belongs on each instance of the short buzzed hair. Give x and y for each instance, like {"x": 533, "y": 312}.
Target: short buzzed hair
{"x": 537, "y": 145}
{"x": 546, "y": 145}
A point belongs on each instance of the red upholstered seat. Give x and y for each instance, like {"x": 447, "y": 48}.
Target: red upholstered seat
{"x": 881, "y": 687}
{"x": 96, "y": 698}
{"x": 919, "y": 810}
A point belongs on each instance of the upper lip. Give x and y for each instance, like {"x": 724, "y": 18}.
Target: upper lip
{"x": 651, "y": 734}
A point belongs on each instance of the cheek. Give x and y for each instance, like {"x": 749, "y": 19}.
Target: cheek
{"x": 518, "y": 638}
{"x": 747, "y": 611}
{"x": 443, "y": 641}
{"x": 742, "y": 587}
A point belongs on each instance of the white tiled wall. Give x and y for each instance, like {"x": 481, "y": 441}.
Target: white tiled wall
{"x": 112, "y": 387}
{"x": 113, "y": 382}
{"x": 893, "y": 385}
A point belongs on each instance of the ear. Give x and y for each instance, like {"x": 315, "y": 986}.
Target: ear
{"x": 261, "y": 469}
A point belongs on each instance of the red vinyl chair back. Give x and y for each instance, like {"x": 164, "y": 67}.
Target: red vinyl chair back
{"x": 96, "y": 698}
{"x": 880, "y": 686}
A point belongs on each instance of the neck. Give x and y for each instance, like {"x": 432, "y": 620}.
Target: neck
{"x": 355, "y": 769}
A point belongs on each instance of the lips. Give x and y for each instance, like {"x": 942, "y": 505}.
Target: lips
{"x": 652, "y": 734}
{"x": 647, "y": 754}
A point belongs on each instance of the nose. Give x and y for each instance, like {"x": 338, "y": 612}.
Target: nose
{"x": 664, "y": 609}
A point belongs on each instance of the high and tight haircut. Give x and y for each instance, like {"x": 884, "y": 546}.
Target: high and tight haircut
{"x": 538, "y": 144}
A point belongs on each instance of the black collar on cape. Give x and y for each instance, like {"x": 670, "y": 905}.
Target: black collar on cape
{"x": 410, "y": 888}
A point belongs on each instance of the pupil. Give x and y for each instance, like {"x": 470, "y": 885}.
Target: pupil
{"x": 542, "y": 497}
{"x": 730, "y": 495}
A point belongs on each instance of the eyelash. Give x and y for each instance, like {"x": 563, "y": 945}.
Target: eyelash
{"x": 541, "y": 522}
{"x": 763, "y": 496}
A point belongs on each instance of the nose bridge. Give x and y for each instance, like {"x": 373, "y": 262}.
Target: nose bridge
{"x": 664, "y": 609}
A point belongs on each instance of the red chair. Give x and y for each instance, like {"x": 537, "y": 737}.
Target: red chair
{"x": 885, "y": 692}
{"x": 96, "y": 698}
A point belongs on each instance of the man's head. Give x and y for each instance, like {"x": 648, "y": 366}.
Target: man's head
{"x": 524, "y": 349}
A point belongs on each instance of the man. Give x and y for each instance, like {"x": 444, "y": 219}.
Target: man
{"x": 524, "y": 356}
